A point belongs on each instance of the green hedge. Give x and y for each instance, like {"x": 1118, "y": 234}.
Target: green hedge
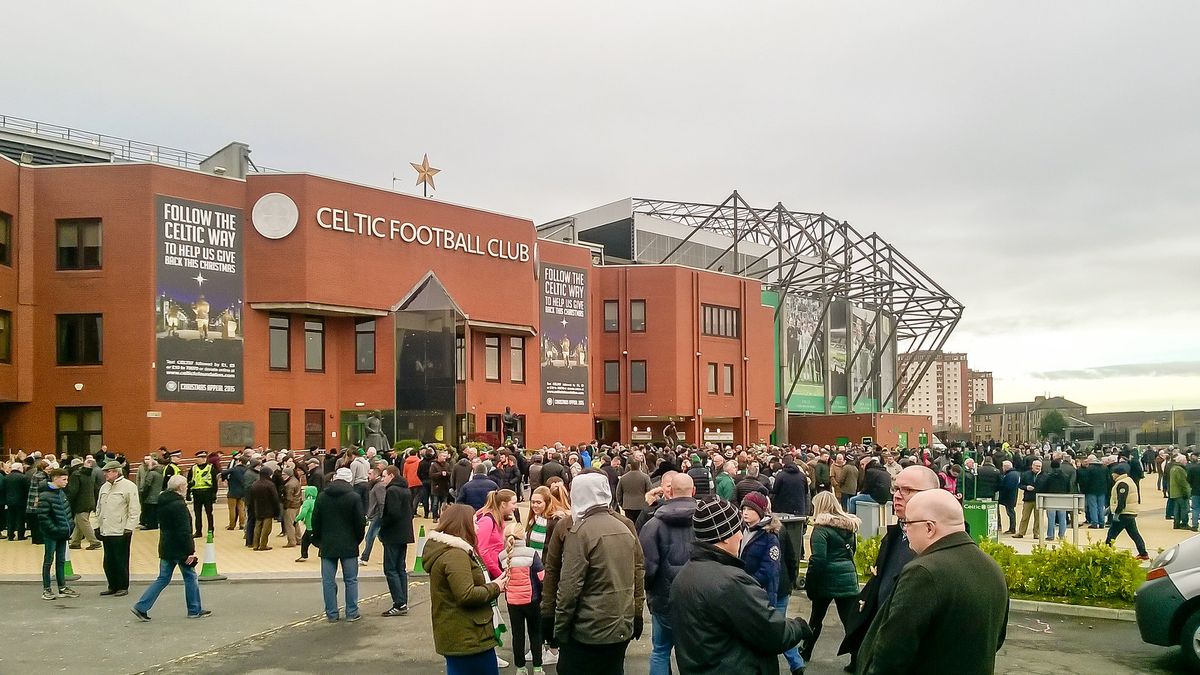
{"x": 1093, "y": 573}
{"x": 406, "y": 445}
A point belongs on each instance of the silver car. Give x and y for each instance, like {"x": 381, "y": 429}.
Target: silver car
{"x": 1168, "y": 603}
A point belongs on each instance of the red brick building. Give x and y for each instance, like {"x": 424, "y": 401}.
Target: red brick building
{"x": 324, "y": 302}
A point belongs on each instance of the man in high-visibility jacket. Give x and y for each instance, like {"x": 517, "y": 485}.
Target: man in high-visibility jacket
{"x": 202, "y": 486}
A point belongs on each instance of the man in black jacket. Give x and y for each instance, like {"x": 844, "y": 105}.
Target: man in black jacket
{"x": 1028, "y": 499}
{"x": 81, "y": 495}
{"x": 16, "y": 487}
{"x": 1092, "y": 479}
{"x": 396, "y": 533}
{"x": 176, "y": 548}
{"x": 790, "y": 497}
{"x": 338, "y": 520}
{"x": 894, "y": 554}
{"x": 666, "y": 541}
{"x": 722, "y": 619}
{"x": 987, "y": 482}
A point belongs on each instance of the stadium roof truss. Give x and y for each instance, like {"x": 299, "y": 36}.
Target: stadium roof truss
{"x": 818, "y": 257}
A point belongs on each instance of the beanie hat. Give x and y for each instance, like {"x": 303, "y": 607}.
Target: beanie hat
{"x": 716, "y": 520}
{"x": 756, "y": 500}
{"x": 343, "y": 474}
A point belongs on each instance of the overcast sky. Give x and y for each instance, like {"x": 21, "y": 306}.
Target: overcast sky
{"x": 1041, "y": 160}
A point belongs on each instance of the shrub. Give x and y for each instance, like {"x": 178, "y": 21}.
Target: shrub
{"x": 865, "y": 555}
{"x": 406, "y": 445}
{"x": 478, "y": 445}
{"x": 1095, "y": 572}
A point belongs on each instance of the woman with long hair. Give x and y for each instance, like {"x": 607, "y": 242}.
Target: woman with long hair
{"x": 831, "y": 576}
{"x": 462, "y": 600}
{"x": 489, "y": 527}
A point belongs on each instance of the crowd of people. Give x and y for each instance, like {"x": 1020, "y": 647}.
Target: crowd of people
{"x": 708, "y": 540}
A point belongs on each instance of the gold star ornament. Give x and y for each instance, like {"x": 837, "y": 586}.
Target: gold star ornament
{"x": 425, "y": 173}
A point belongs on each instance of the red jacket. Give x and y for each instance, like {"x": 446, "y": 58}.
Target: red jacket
{"x": 410, "y": 471}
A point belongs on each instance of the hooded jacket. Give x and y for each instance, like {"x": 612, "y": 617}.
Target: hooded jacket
{"x": 460, "y": 474}
{"x": 337, "y": 521}
{"x": 761, "y": 554}
{"x": 831, "y": 572}
{"x": 54, "y": 514}
{"x": 791, "y": 494}
{"x": 460, "y": 598}
{"x": 602, "y": 551}
{"x": 722, "y": 621}
{"x": 395, "y": 524}
{"x": 489, "y": 541}
{"x": 666, "y": 541}
{"x": 175, "y": 541}
{"x": 306, "y": 508}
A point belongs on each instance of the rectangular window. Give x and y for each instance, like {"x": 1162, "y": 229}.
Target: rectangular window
{"x": 279, "y": 328}
{"x": 79, "y": 244}
{"x": 80, "y": 339}
{"x": 712, "y": 378}
{"x": 612, "y": 377}
{"x": 5, "y": 239}
{"x": 491, "y": 358}
{"x": 279, "y": 423}
{"x": 637, "y": 316}
{"x": 611, "y": 316}
{"x": 5, "y": 336}
{"x": 637, "y": 377}
{"x": 516, "y": 359}
{"x": 314, "y": 428}
{"x": 728, "y": 381}
{"x": 721, "y": 321}
{"x": 314, "y": 345}
{"x": 79, "y": 430}
{"x": 460, "y": 358}
{"x": 364, "y": 346}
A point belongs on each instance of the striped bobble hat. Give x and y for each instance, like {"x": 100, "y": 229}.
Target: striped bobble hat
{"x": 716, "y": 520}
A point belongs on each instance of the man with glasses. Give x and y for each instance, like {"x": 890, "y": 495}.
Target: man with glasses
{"x": 894, "y": 554}
{"x": 949, "y": 608}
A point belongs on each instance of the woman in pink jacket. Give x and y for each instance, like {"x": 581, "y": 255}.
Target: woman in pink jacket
{"x": 489, "y": 528}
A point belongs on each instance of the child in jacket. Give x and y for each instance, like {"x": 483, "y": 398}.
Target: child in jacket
{"x": 523, "y": 595}
{"x": 305, "y": 516}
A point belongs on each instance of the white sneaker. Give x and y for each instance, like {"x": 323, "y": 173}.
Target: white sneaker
{"x": 501, "y": 662}
{"x": 549, "y": 658}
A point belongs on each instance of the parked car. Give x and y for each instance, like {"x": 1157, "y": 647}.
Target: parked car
{"x": 1168, "y": 603}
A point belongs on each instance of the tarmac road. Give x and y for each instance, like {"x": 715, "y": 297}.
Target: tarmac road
{"x": 269, "y": 628}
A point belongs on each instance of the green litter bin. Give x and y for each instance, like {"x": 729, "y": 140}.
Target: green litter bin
{"x": 983, "y": 519}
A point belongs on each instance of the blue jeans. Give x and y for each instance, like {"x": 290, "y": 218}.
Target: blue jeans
{"x": 56, "y": 554}
{"x": 393, "y": 570}
{"x": 191, "y": 587}
{"x": 1053, "y": 517}
{"x": 372, "y": 533}
{"x": 1095, "y": 509}
{"x": 1195, "y": 509}
{"x": 793, "y": 655}
{"x": 662, "y": 640}
{"x": 853, "y": 506}
{"x": 329, "y": 585}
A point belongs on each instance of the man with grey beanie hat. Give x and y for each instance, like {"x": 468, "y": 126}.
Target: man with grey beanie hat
{"x": 721, "y": 617}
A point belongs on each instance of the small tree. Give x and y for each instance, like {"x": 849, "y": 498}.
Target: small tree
{"x": 1053, "y": 424}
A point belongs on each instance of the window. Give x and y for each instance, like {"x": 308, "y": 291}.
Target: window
{"x": 516, "y": 359}
{"x": 637, "y": 377}
{"x": 79, "y": 339}
{"x": 79, "y": 430}
{"x": 279, "y": 422}
{"x": 314, "y": 345}
{"x": 5, "y": 239}
{"x": 280, "y": 334}
{"x": 314, "y": 428}
{"x": 5, "y": 336}
{"x": 611, "y": 316}
{"x": 637, "y": 316}
{"x": 460, "y": 358}
{"x": 728, "y": 381}
{"x": 612, "y": 377}
{"x": 721, "y": 321}
{"x": 79, "y": 244}
{"x": 491, "y": 357}
{"x": 364, "y": 346}
{"x": 712, "y": 378}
